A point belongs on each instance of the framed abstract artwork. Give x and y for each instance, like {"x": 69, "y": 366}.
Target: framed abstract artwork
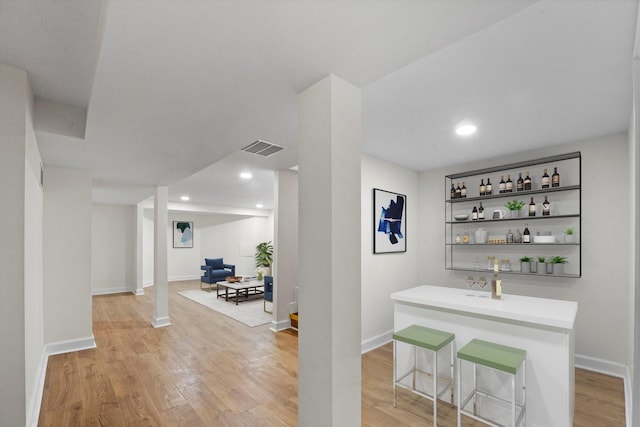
{"x": 389, "y": 222}
{"x": 182, "y": 234}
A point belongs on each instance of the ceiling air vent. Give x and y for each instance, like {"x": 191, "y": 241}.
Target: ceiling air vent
{"x": 262, "y": 148}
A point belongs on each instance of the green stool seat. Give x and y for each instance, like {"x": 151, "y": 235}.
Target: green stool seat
{"x": 509, "y": 360}
{"x": 496, "y": 356}
{"x": 431, "y": 339}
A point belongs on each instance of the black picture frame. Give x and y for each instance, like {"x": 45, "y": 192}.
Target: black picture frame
{"x": 389, "y": 222}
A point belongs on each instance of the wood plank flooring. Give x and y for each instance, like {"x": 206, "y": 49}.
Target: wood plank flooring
{"x": 209, "y": 370}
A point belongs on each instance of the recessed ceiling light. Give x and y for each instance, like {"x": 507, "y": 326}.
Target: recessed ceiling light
{"x": 466, "y": 129}
{"x": 184, "y": 198}
{"x": 246, "y": 175}
{"x": 259, "y": 206}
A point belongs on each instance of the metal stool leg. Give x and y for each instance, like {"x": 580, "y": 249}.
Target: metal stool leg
{"x": 395, "y": 371}
{"x": 435, "y": 388}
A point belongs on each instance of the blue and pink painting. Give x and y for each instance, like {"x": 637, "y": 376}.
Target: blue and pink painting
{"x": 389, "y": 222}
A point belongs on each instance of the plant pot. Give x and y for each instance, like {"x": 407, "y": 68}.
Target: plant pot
{"x": 533, "y": 266}
{"x": 525, "y": 267}
{"x": 558, "y": 269}
{"x": 548, "y": 267}
{"x": 514, "y": 214}
{"x": 570, "y": 238}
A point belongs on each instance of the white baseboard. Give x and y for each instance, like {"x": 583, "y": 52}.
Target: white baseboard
{"x": 147, "y": 284}
{"x": 161, "y": 322}
{"x": 375, "y": 342}
{"x": 33, "y": 412}
{"x": 138, "y": 291}
{"x": 609, "y": 368}
{"x": 108, "y": 291}
{"x": 186, "y": 277}
{"x": 281, "y": 325}
{"x": 69, "y": 346}
{"x": 603, "y": 366}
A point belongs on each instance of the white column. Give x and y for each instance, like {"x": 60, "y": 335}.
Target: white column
{"x": 329, "y": 269}
{"x": 285, "y": 266}
{"x": 160, "y": 280}
{"x": 139, "y": 266}
{"x": 13, "y": 110}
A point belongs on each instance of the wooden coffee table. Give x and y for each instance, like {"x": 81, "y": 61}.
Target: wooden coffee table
{"x": 240, "y": 291}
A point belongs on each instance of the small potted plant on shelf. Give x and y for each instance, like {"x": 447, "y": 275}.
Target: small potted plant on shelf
{"x": 569, "y": 236}
{"x": 514, "y": 206}
{"x": 557, "y": 262}
{"x": 541, "y": 263}
{"x": 525, "y": 264}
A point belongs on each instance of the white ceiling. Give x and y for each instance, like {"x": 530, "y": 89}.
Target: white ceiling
{"x": 174, "y": 89}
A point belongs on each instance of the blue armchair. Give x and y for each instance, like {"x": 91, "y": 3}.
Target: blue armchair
{"x": 268, "y": 292}
{"x": 215, "y": 270}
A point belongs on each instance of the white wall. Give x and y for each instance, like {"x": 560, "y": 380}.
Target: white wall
{"x": 225, "y": 236}
{"x": 184, "y": 263}
{"x": 214, "y": 236}
{"x": 67, "y": 256}
{"x": 113, "y": 249}
{"x": 383, "y": 274}
{"x": 602, "y": 324}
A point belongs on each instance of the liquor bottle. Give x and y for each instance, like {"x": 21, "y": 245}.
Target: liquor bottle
{"x": 545, "y": 179}
{"x": 496, "y": 283}
{"x": 480, "y": 212}
{"x": 517, "y": 238}
{"x": 532, "y": 208}
{"x": 527, "y": 182}
{"x": 502, "y": 186}
{"x": 453, "y": 190}
{"x": 509, "y": 185}
{"x": 489, "y": 187}
{"x": 458, "y": 191}
{"x": 463, "y": 190}
{"x": 555, "y": 178}
{"x": 483, "y": 188}
{"x": 509, "y": 237}
{"x": 546, "y": 207}
{"x": 526, "y": 236}
{"x": 474, "y": 214}
{"x": 520, "y": 183}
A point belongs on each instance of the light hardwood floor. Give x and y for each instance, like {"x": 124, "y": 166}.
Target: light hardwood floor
{"x": 209, "y": 370}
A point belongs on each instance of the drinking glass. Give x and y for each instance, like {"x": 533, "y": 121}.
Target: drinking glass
{"x": 482, "y": 282}
{"x": 470, "y": 281}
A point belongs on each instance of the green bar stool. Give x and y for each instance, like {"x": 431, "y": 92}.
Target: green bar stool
{"x": 434, "y": 341}
{"x": 500, "y": 358}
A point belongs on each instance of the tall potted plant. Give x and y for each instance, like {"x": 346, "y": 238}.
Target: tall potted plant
{"x": 264, "y": 258}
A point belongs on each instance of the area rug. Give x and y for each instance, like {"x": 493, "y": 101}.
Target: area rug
{"x": 251, "y": 313}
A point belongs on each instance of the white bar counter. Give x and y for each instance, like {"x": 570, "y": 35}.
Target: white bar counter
{"x": 542, "y": 327}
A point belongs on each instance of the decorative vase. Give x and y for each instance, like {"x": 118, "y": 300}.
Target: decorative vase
{"x": 533, "y": 266}
{"x": 558, "y": 269}
{"x": 549, "y": 268}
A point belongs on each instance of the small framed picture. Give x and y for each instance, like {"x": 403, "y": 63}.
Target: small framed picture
{"x": 183, "y": 234}
{"x": 389, "y": 222}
